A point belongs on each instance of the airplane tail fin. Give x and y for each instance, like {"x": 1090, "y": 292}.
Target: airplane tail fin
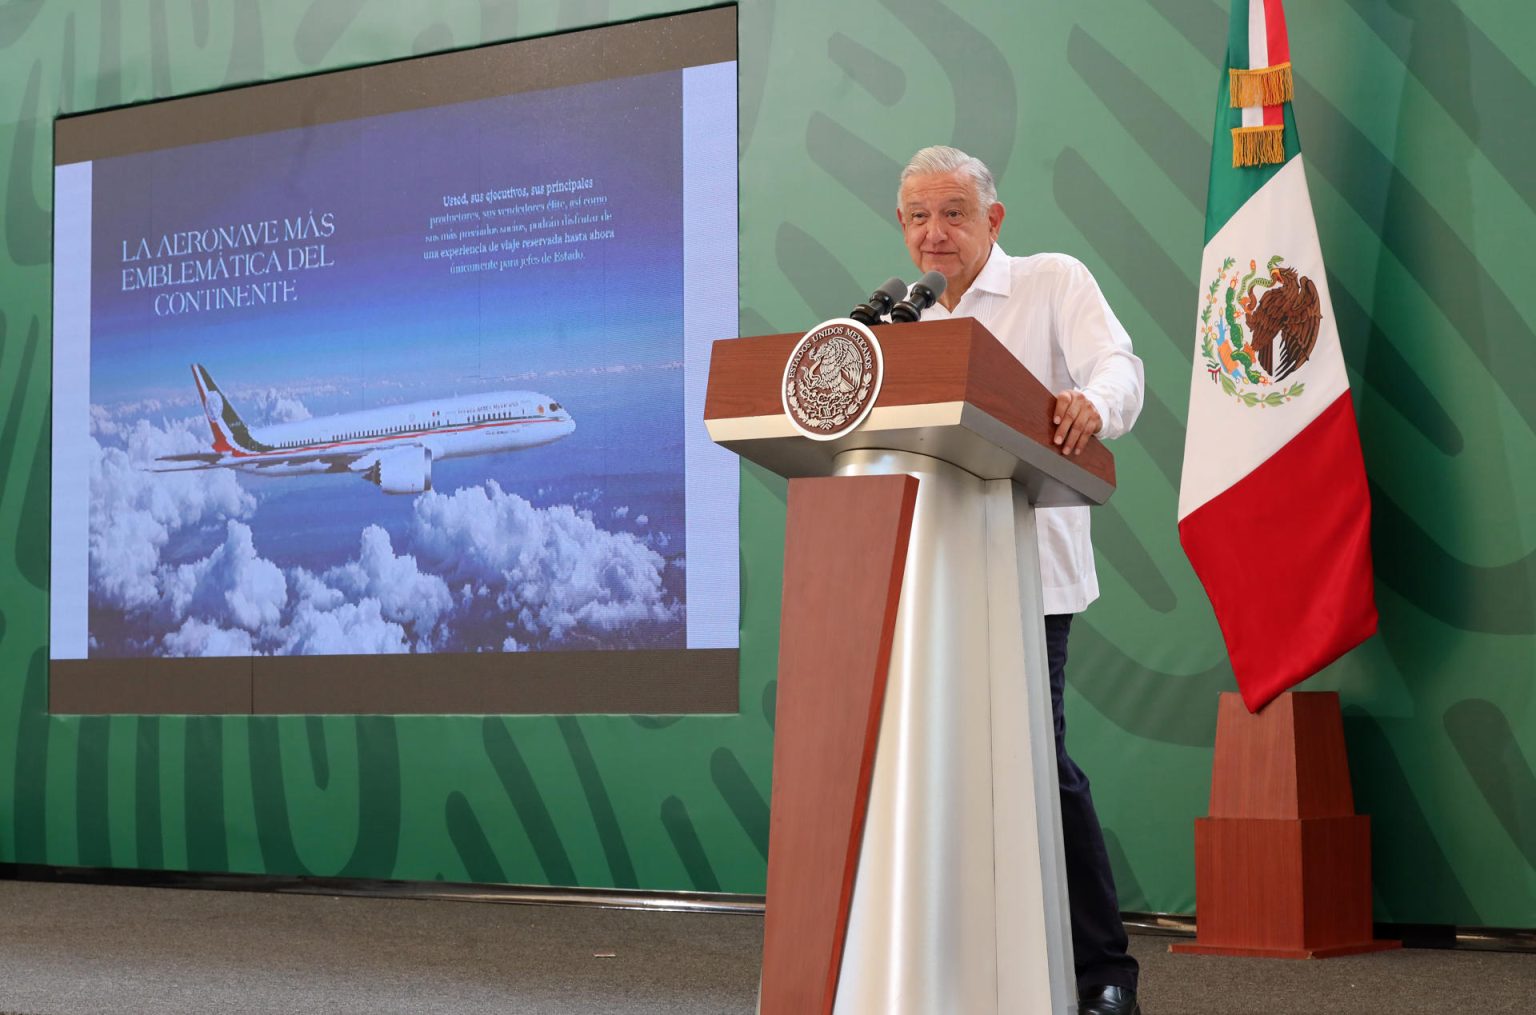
{"x": 230, "y": 434}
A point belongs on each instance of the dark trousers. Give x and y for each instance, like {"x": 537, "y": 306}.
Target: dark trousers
{"x": 1098, "y": 935}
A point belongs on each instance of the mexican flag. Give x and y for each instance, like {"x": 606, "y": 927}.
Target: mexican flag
{"x": 1274, "y": 512}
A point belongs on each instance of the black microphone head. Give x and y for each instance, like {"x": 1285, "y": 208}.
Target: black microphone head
{"x": 924, "y": 292}
{"x": 933, "y": 284}
{"x": 879, "y": 303}
{"x": 893, "y": 290}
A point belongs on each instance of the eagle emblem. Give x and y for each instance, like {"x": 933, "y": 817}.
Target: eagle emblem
{"x": 832, "y": 378}
{"x": 1259, "y": 328}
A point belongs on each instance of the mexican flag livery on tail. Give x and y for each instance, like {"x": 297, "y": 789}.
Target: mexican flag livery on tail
{"x": 1274, "y": 511}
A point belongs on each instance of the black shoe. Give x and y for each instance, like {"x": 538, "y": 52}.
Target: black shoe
{"x": 1107, "y": 1001}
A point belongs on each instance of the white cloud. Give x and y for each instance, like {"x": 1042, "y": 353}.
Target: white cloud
{"x": 118, "y": 419}
{"x": 134, "y": 513}
{"x": 599, "y": 370}
{"x": 233, "y": 588}
{"x": 405, "y": 594}
{"x": 195, "y": 638}
{"x": 557, "y": 575}
{"x": 268, "y": 405}
{"x": 350, "y": 629}
{"x": 309, "y": 588}
{"x": 231, "y": 585}
{"x": 103, "y": 423}
{"x": 234, "y": 602}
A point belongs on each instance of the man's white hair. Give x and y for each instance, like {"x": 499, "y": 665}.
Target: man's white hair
{"x": 944, "y": 159}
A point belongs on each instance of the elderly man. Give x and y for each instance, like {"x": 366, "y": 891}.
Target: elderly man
{"x": 1048, "y": 311}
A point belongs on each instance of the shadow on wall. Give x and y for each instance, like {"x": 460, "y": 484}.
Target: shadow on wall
{"x": 1404, "y": 849}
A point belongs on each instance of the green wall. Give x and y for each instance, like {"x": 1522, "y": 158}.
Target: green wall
{"x": 1420, "y": 126}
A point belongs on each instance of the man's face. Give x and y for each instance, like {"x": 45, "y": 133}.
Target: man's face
{"x": 946, "y": 229}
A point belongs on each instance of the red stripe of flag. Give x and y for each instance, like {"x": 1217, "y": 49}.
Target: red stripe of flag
{"x": 1274, "y": 32}
{"x": 1279, "y": 50}
{"x": 1285, "y": 556}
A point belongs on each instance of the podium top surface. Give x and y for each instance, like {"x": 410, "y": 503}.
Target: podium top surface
{"x": 951, "y": 391}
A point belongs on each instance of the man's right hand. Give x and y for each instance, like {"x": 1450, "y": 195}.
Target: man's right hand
{"x": 1076, "y": 420}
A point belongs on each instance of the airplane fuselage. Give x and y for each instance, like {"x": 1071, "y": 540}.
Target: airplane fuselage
{"x": 392, "y": 447}
{"x": 456, "y": 427}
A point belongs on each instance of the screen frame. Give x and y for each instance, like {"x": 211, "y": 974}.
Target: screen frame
{"x": 653, "y": 682}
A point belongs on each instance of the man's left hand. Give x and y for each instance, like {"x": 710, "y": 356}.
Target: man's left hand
{"x": 1076, "y": 420}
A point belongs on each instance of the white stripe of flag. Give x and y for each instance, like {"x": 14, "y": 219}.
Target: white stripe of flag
{"x": 1258, "y": 55}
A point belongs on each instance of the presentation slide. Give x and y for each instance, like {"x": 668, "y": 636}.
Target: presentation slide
{"x": 426, "y": 381}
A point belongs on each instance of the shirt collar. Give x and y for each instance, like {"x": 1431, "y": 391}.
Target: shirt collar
{"x": 994, "y": 276}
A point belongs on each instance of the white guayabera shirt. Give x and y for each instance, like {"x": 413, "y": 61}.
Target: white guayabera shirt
{"x": 1048, "y": 310}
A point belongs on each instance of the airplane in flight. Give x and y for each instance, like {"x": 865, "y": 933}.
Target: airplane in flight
{"x": 392, "y": 447}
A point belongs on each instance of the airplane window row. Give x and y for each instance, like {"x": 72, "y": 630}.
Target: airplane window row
{"x": 482, "y": 417}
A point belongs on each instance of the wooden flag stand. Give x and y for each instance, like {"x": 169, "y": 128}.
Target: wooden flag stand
{"x": 1283, "y": 862}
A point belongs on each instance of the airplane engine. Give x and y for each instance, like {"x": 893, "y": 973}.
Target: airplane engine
{"x": 401, "y": 470}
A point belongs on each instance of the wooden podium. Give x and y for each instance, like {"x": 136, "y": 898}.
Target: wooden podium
{"x": 915, "y": 858}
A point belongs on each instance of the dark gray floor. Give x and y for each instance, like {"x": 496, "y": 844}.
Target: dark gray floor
{"x": 1405, "y": 982}
{"x": 76, "y": 949}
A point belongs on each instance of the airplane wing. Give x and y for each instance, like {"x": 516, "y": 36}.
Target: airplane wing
{"x": 189, "y": 463}
{"x": 305, "y": 461}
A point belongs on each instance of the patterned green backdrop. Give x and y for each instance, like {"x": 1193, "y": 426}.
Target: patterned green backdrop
{"x": 1420, "y": 124}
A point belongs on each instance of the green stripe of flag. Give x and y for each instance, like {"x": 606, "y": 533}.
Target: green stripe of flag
{"x": 1231, "y": 187}
{"x": 1237, "y": 36}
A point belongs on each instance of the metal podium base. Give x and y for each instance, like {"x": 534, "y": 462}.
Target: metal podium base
{"x": 959, "y": 900}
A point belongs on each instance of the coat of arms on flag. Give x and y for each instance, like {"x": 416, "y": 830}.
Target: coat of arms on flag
{"x": 1258, "y": 329}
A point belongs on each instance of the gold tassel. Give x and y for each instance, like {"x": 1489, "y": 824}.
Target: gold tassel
{"x": 1258, "y": 146}
{"x": 1262, "y": 86}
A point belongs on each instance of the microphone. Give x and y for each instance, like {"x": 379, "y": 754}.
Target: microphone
{"x": 924, "y": 292}
{"x": 879, "y": 303}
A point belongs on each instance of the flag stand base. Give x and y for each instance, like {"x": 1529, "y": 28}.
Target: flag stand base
{"x": 1286, "y": 953}
{"x": 1283, "y": 863}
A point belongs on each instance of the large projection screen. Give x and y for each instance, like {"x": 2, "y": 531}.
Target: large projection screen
{"x": 382, "y": 390}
